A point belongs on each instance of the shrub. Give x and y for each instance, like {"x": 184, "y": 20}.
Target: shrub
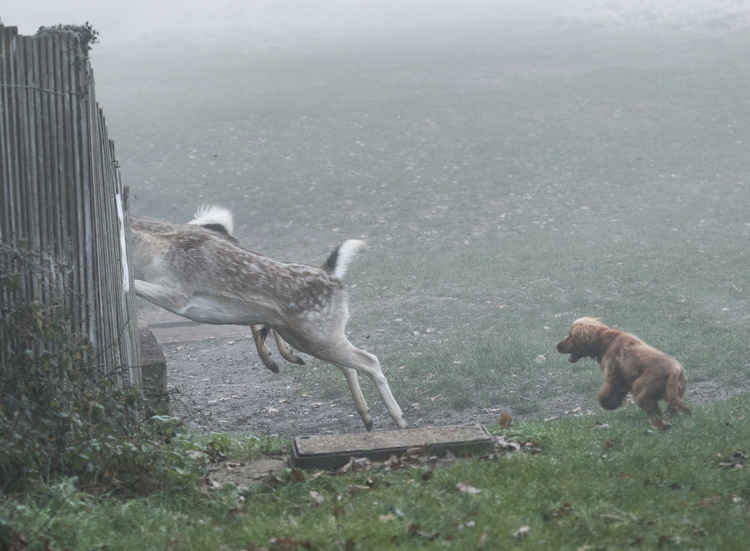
{"x": 60, "y": 415}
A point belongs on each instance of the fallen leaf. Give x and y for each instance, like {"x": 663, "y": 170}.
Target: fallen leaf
{"x": 393, "y": 463}
{"x": 531, "y": 447}
{"x": 361, "y": 464}
{"x": 522, "y": 532}
{"x": 712, "y": 500}
{"x": 466, "y": 488}
{"x": 468, "y": 524}
{"x": 297, "y": 475}
{"x": 416, "y": 530}
{"x": 289, "y": 544}
{"x": 735, "y": 461}
{"x": 386, "y": 518}
{"x": 210, "y": 483}
{"x": 504, "y": 444}
{"x": 358, "y": 489}
{"x": 664, "y": 540}
{"x": 316, "y": 497}
{"x": 347, "y": 467}
{"x": 273, "y": 479}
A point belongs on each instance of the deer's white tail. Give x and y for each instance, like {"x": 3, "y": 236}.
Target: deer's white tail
{"x": 339, "y": 260}
{"x": 214, "y": 218}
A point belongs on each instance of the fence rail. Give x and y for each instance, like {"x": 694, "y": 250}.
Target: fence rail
{"x": 61, "y": 195}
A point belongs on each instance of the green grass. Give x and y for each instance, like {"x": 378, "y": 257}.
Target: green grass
{"x": 603, "y": 481}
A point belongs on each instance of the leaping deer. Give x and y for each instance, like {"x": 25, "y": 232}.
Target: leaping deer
{"x": 198, "y": 270}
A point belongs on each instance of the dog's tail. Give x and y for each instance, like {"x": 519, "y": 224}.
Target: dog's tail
{"x": 214, "y": 217}
{"x": 339, "y": 260}
{"x": 676, "y": 384}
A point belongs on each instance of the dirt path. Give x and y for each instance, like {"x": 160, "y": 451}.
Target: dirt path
{"x": 217, "y": 382}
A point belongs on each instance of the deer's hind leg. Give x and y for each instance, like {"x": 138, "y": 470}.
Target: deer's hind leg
{"x": 260, "y": 333}
{"x": 286, "y": 351}
{"x": 359, "y": 399}
{"x": 344, "y": 354}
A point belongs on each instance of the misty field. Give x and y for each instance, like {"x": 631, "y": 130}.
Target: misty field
{"x": 506, "y": 184}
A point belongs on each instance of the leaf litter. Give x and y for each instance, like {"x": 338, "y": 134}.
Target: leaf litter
{"x": 274, "y": 471}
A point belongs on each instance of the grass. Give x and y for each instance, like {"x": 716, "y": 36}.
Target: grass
{"x": 603, "y": 481}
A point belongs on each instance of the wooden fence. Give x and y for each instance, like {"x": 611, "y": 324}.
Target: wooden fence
{"x": 61, "y": 196}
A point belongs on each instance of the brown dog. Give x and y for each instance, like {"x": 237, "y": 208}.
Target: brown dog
{"x": 628, "y": 365}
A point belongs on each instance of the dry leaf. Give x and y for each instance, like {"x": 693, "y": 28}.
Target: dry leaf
{"x": 289, "y": 544}
{"x": 211, "y": 483}
{"x": 272, "y": 479}
{"x": 386, "y": 518}
{"x": 297, "y": 475}
{"x": 416, "y": 530}
{"x": 504, "y": 444}
{"x": 358, "y": 488}
{"x": 361, "y": 464}
{"x": 415, "y": 451}
{"x": 466, "y": 488}
{"x": 347, "y": 467}
{"x": 316, "y": 497}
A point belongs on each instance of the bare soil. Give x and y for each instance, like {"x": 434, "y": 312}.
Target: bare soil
{"x": 221, "y": 385}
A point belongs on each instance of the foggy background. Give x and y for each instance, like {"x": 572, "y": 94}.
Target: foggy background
{"x": 512, "y": 165}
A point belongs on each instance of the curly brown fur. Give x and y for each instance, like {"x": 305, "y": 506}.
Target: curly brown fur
{"x": 628, "y": 365}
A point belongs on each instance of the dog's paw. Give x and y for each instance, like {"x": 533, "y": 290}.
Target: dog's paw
{"x": 660, "y": 424}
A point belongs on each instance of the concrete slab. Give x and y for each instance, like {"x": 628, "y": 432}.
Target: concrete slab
{"x": 330, "y": 451}
{"x": 153, "y": 372}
